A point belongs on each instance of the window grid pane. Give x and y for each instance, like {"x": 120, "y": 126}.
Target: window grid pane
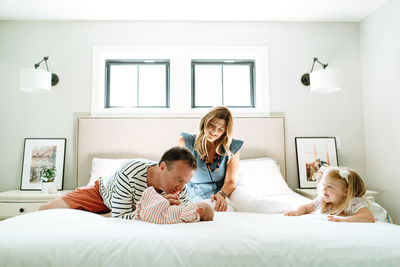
{"x": 123, "y": 85}
{"x": 208, "y": 84}
{"x": 236, "y": 87}
{"x": 137, "y": 83}
{"x": 152, "y": 86}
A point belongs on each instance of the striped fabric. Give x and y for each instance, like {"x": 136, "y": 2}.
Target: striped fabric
{"x": 154, "y": 208}
{"x": 122, "y": 190}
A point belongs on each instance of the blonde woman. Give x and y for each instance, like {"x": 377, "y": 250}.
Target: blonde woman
{"x": 217, "y": 156}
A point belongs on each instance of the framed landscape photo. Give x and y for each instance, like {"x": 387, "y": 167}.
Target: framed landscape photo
{"x": 40, "y": 154}
{"x": 312, "y": 153}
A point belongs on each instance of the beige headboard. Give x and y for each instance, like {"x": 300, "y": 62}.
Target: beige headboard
{"x": 108, "y": 137}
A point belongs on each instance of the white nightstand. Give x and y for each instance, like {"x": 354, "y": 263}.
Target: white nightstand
{"x": 312, "y": 193}
{"x": 16, "y": 202}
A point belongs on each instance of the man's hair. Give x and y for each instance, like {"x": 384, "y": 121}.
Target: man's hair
{"x": 178, "y": 153}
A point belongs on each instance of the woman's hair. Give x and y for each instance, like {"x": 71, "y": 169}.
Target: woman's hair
{"x": 223, "y": 143}
{"x": 351, "y": 180}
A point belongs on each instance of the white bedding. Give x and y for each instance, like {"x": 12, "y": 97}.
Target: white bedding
{"x": 75, "y": 238}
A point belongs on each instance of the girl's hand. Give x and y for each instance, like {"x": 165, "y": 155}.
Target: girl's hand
{"x": 291, "y": 213}
{"x": 173, "y": 199}
{"x": 221, "y": 204}
{"x": 332, "y": 218}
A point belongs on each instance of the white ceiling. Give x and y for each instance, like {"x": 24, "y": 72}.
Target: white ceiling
{"x": 190, "y": 10}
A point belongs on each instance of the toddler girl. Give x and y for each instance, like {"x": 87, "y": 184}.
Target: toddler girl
{"x": 340, "y": 193}
{"x": 153, "y": 207}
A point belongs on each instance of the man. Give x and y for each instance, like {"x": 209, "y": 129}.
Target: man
{"x": 120, "y": 192}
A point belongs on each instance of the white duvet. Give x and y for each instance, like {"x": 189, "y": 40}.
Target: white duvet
{"x": 75, "y": 238}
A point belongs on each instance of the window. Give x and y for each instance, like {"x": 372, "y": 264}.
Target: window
{"x": 137, "y": 83}
{"x": 229, "y": 82}
{"x": 169, "y": 80}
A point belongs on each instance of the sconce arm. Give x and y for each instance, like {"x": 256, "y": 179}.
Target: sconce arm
{"x": 316, "y": 60}
{"x": 45, "y": 61}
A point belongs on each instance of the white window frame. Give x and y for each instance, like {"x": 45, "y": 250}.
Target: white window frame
{"x": 180, "y": 77}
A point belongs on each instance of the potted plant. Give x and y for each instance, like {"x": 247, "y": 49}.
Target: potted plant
{"x": 47, "y": 177}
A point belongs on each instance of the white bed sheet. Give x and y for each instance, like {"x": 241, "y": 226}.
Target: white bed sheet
{"x": 243, "y": 201}
{"x": 66, "y": 237}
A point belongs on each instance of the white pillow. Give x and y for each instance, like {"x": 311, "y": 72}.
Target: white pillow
{"x": 104, "y": 167}
{"x": 262, "y": 177}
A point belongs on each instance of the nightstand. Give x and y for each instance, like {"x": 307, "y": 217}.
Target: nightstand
{"x": 17, "y": 202}
{"x": 312, "y": 193}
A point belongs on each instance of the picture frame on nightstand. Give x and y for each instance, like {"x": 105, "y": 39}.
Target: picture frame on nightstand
{"x": 311, "y": 154}
{"x": 40, "y": 153}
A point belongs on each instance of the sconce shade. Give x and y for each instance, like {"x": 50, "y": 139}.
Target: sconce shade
{"x": 35, "y": 80}
{"x": 324, "y": 81}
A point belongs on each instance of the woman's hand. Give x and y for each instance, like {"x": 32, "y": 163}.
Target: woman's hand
{"x": 173, "y": 199}
{"x": 221, "y": 204}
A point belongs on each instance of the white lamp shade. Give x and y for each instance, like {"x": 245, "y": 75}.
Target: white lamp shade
{"x": 324, "y": 81}
{"x": 35, "y": 80}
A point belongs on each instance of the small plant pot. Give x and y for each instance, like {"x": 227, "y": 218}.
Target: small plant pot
{"x": 49, "y": 188}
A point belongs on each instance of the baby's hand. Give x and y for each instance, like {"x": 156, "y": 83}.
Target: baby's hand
{"x": 173, "y": 199}
{"x": 291, "y": 213}
{"x": 335, "y": 219}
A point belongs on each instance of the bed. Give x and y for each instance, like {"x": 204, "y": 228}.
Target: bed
{"x": 254, "y": 235}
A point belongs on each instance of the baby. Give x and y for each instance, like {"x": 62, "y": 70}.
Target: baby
{"x": 153, "y": 207}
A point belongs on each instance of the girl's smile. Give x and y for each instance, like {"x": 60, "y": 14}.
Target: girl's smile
{"x": 333, "y": 190}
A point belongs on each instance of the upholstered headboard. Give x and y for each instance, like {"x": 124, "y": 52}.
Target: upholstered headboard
{"x": 137, "y": 137}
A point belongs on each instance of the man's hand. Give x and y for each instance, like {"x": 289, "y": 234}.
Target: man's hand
{"x": 173, "y": 199}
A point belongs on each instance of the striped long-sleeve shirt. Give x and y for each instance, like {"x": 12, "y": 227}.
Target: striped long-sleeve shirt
{"x": 122, "y": 190}
{"x": 154, "y": 208}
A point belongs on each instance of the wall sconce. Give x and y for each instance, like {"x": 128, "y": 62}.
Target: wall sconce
{"x": 321, "y": 81}
{"x": 37, "y": 80}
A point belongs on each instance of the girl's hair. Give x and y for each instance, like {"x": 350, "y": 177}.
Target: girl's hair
{"x": 223, "y": 143}
{"x": 353, "y": 182}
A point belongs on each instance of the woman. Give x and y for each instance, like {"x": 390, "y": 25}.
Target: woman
{"x": 217, "y": 155}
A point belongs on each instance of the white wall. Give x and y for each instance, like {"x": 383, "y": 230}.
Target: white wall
{"x": 380, "y": 53}
{"x": 292, "y": 47}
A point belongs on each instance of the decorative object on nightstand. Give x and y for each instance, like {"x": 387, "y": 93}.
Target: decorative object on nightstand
{"x": 47, "y": 176}
{"x": 312, "y": 193}
{"x": 16, "y": 202}
{"x": 40, "y": 153}
{"x": 312, "y": 153}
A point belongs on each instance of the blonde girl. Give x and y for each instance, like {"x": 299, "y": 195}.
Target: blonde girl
{"x": 217, "y": 155}
{"x": 340, "y": 193}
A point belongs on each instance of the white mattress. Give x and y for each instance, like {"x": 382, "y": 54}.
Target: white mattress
{"x": 75, "y": 238}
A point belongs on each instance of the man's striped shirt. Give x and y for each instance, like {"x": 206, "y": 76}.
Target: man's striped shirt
{"x": 122, "y": 190}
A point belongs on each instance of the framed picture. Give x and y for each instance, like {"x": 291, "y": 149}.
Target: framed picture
{"x": 41, "y": 153}
{"x": 312, "y": 153}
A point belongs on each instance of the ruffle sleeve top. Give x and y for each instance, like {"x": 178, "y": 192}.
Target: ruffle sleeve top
{"x": 207, "y": 180}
